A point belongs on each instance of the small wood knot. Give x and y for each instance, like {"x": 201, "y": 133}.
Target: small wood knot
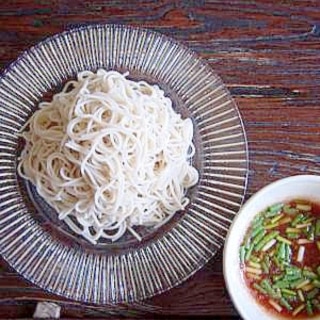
{"x": 316, "y": 30}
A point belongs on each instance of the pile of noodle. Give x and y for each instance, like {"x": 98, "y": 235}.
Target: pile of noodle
{"x": 108, "y": 154}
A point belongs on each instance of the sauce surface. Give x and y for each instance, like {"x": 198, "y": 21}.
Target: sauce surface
{"x": 280, "y": 259}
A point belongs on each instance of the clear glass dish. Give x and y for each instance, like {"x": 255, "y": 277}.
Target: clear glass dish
{"x": 42, "y": 248}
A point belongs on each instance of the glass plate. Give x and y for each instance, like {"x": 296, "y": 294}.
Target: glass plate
{"x": 42, "y": 248}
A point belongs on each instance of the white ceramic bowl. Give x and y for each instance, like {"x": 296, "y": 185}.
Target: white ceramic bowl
{"x": 300, "y": 186}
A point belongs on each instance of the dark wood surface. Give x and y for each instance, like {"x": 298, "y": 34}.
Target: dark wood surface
{"x": 268, "y": 55}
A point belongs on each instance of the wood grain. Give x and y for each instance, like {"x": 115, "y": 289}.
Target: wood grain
{"x": 266, "y": 52}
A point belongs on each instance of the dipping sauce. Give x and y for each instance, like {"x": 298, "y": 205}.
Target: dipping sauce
{"x": 280, "y": 258}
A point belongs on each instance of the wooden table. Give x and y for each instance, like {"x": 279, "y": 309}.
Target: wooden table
{"x": 268, "y": 55}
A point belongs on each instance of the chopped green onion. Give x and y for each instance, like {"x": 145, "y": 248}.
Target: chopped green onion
{"x": 253, "y": 270}
{"x": 271, "y": 225}
{"x": 254, "y": 264}
{"x": 285, "y": 303}
{"x": 293, "y": 271}
{"x": 316, "y": 283}
{"x": 309, "y": 308}
{"x": 282, "y": 284}
{"x": 299, "y": 283}
{"x": 291, "y": 235}
{"x": 289, "y": 292}
{"x": 298, "y": 309}
{"x": 265, "y": 284}
{"x": 259, "y": 236}
{"x": 242, "y": 253}
{"x": 303, "y": 207}
{"x": 269, "y": 245}
{"x": 275, "y": 305}
{"x": 317, "y": 229}
{"x": 300, "y": 295}
{"x": 311, "y": 294}
{"x": 273, "y": 210}
{"x": 260, "y": 289}
{"x": 275, "y": 219}
{"x": 277, "y": 277}
{"x": 303, "y": 225}
{"x": 293, "y": 230}
{"x": 256, "y": 230}
{"x": 297, "y": 219}
{"x": 283, "y": 240}
{"x": 255, "y": 259}
{"x": 248, "y": 252}
{"x": 266, "y": 239}
{"x": 316, "y": 303}
{"x": 289, "y": 210}
{"x": 301, "y": 253}
{"x": 284, "y": 220}
{"x": 309, "y": 274}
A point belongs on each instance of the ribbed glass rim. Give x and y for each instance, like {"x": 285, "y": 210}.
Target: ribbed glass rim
{"x": 162, "y": 261}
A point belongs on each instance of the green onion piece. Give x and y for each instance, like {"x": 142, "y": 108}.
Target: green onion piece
{"x": 277, "y": 277}
{"x": 266, "y": 264}
{"x": 311, "y": 294}
{"x": 242, "y": 253}
{"x": 302, "y": 283}
{"x": 248, "y": 252}
{"x": 291, "y": 235}
{"x": 275, "y": 219}
{"x": 282, "y": 284}
{"x": 298, "y": 309}
{"x": 318, "y": 270}
{"x": 283, "y": 240}
{"x": 316, "y": 283}
{"x": 255, "y": 259}
{"x": 289, "y": 210}
{"x": 311, "y": 233}
{"x": 293, "y": 271}
{"x": 309, "y": 274}
{"x": 303, "y": 207}
{"x": 278, "y": 263}
{"x": 273, "y": 210}
{"x": 247, "y": 241}
{"x": 260, "y": 289}
{"x": 289, "y": 292}
{"x": 317, "y": 229}
{"x": 316, "y": 303}
{"x": 285, "y": 303}
{"x": 266, "y": 239}
{"x": 259, "y": 236}
{"x": 253, "y": 264}
{"x": 284, "y": 220}
{"x": 293, "y": 230}
{"x": 298, "y": 283}
{"x": 281, "y": 253}
{"x": 257, "y": 220}
{"x": 318, "y": 245}
{"x": 288, "y": 253}
{"x": 265, "y": 284}
{"x": 256, "y": 230}
{"x": 309, "y": 308}
{"x": 297, "y": 219}
{"x": 291, "y": 278}
{"x": 300, "y": 295}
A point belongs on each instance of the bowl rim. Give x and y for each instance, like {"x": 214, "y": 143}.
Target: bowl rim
{"x": 234, "y": 226}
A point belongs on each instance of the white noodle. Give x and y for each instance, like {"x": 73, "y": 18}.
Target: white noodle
{"x": 111, "y": 153}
